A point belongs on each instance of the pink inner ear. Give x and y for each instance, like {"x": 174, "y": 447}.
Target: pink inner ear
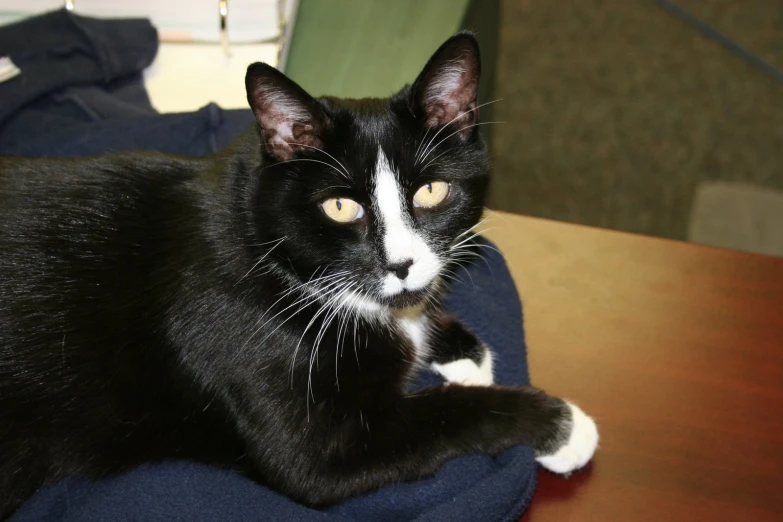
{"x": 451, "y": 95}
{"x": 284, "y": 139}
{"x": 279, "y": 132}
{"x": 285, "y": 122}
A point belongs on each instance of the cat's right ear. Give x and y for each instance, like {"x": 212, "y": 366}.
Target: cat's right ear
{"x": 286, "y": 114}
{"x": 446, "y": 91}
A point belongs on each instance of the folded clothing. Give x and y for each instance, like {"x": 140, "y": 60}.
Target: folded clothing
{"x": 80, "y": 92}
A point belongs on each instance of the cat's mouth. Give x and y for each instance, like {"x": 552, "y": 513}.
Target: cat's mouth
{"x": 406, "y": 298}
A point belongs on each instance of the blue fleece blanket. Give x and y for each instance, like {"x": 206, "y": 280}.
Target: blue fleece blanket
{"x": 80, "y": 93}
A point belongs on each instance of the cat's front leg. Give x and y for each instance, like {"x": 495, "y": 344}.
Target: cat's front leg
{"x": 392, "y": 439}
{"x": 461, "y": 358}
{"x": 458, "y": 355}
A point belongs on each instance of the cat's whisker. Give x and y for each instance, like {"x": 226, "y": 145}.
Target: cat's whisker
{"x": 466, "y": 250}
{"x": 305, "y": 302}
{"x": 260, "y": 274}
{"x": 326, "y": 307}
{"x": 335, "y": 310}
{"x": 464, "y": 241}
{"x": 277, "y": 244}
{"x": 347, "y": 174}
{"x": 467, "y": 247}
{"x": 436, "y": 158}
{"x": 307, "y": 159}
{"x": 362, "y": 302}
{"x": 264, "y": 243}
{"x": 323, "y": 307}
{"x": 453, "y": 276}
{"x": 418, "y": 149}
{"x": 285, "y": 294}
{"x": 475, "y": 233}
{"x": 304, "y": 285}
{"x": 457, "y": 132}
{"x": 463, "y": 251}
{"x": 313, "y": 279}
{"x": 355, "y": 330}
{"x": 454, "y": 264}
{"x": 331, "y": 313}
{"x": 337, "y": 354}
{"x": 345, "y": 187}
{"x": 495, "y": 215}
{"x": 485, "y": 220}
{"x": 340, "y": 287}
{"x": 342, "y": 328}
{"x": 466, "y": 254}
{"x": 466, "y": 261}
{"x": 471, "y": 242}
{"x": 456, "y": 241}
{"x": 309, "y": 298}
{"x": 350, "y": 304}
{"x": 489, "y": 247}
{"x": 428, "y": 149}
{"x": 463, "y": 261}
{"x": 421, "y": 143}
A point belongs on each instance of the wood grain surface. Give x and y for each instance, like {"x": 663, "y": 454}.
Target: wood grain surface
{"x": 677, "y": 352}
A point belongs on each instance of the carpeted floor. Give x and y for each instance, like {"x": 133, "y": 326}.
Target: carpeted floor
{"x": 616, "y": 111}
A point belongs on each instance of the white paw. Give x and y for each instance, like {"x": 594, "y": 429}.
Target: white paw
{"x": 467, "y": 372}
{"x": 580, "y": 447}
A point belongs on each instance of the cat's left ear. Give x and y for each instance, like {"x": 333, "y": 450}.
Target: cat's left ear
{"x": 286, "y": 114}
{"x": 446, "y": 91}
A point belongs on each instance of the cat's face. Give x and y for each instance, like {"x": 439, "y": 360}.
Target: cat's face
{"x": 372, "y": 197}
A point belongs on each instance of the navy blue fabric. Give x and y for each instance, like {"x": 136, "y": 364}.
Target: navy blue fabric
{"x": 91, "y": 100}
{"x": 59, "y": 50}
{"x": 190, "y": 134}
{"x": 80, "y": 93}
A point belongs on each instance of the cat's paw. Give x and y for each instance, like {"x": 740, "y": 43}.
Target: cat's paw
{"x": 579, "y": 447}
{"x": 467, "y": 372}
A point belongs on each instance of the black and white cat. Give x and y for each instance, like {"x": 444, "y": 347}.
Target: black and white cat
{"x": 262, "y": 309}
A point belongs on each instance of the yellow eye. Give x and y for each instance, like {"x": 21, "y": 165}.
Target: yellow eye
{"x": 431, "y": 194}
{"x": 342, "y": 210}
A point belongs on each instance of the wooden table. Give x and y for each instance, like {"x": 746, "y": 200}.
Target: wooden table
{"x": 677, "y": 352}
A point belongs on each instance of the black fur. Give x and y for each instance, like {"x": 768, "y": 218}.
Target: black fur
{"x": 453, "y": 342}
{"x": 147, "y": 305}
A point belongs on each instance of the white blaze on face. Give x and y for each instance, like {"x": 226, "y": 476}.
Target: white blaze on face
{"x": 401, "y": 243}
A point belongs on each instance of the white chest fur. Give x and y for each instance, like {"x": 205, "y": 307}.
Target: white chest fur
{"x": 415, "y": 324}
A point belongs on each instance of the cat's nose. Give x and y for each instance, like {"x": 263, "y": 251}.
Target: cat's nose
{"x": 401, "y": 268}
